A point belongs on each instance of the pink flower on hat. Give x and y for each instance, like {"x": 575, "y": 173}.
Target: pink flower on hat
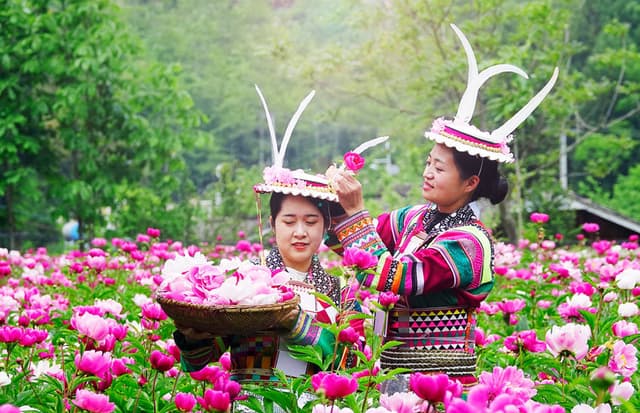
{"x": 438, "y": 125}
{"x": 273, "y": 174}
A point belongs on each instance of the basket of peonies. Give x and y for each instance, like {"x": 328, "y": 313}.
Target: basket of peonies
{"x": 234, "y": 297}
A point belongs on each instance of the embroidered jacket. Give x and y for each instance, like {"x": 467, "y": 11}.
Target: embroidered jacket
{"x": 253, "y": 358}
{"x": 441, "y": 265}
{"x": 433, "y": 259}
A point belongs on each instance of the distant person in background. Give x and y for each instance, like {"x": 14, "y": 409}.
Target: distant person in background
{"x": 70, "y": 231}
{"x": 437, "y": 256}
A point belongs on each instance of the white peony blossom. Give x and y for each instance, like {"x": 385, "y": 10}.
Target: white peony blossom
{"x": 628, "y": 279}
{"x": 628, "y": 310}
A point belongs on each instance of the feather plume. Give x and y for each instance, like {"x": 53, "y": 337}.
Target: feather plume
{"x": 370, "y": 143}
{"x": 506, "y": 129}
{"x": 292, "y": 123}
{"x": 272, "y": 132}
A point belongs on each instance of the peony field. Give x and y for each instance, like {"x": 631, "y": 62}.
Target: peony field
{"x": 82, "y": 332}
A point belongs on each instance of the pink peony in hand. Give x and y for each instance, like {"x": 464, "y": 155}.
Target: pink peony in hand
{"x": 353, "y": 161}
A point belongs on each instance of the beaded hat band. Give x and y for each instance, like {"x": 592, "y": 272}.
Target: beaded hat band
{"x": 464, "y": 137}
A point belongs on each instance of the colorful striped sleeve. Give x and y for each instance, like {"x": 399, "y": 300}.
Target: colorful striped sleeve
{"x": 306, "y": 332}
{"x": 459, "y": 258}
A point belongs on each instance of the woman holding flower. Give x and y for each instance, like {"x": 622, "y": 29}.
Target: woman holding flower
{"x": 437, "y": 256}
{"x": 301, "y": 206}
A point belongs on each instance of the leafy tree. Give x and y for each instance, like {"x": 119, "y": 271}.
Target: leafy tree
{"x": 626, "y": 193}
{"x": 23, "y": 125}
{"x": 107, "y": 122}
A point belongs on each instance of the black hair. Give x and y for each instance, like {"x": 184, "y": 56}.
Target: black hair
{"x": 275, "y": 205}
{"x": 492, "y": 185}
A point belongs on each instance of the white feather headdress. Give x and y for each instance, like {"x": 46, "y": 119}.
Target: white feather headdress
{"x": 279, "y": 179}
{"x": 461, "y": 135}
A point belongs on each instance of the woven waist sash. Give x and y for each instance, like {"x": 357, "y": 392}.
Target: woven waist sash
{"x": 433, "y": 340}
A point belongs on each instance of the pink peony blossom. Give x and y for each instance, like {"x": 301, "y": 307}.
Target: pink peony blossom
{"x": 524, "y": 340}
{"x": 333, "y": 386}
{"x": 509, "y": 380}
{"x": 623, "y": 359}
{"x": 94, "y": 362}
{"x": 185, "y": 402}
{"x": 624, "y": 328}
{"x": 431, "y": 388}
{"x": 92, "y": 326}
{"x": 161, "y": 361}
{"x": 538, "y": 218}
{"x": 353, "y": 161}
{"x": 568, "y": 340}
{"x": 400, "y": 402}
{"x": 215, "y": 400}
{"x": 388, "y": 299}
{"x": 92, "y": 402}
{"x": 621, "y": 392}
{"x": 359, "y": 258}
{"x": 590, "y": 227}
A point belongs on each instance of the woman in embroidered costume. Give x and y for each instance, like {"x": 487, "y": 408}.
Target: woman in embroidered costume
{"x": 300, "y": 213}
{"x": 437, "y": 256}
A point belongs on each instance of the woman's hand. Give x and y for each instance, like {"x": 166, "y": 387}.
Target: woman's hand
{"x": 191, "y": 334}
{"x": 287, "y": 322}
{"x": 348, "y": 188}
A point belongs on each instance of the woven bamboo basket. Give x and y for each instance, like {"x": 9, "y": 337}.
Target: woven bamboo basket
{"x": 226, "y": 320}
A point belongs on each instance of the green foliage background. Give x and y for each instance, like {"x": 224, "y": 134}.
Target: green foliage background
{"x": 134, "y": 113}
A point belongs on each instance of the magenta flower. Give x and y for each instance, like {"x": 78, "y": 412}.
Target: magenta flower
{"x": 359, "y": 258}
{"x": 623, "y": 359}
{"x": 509, "y": 380}
{"x": 119, "y": 366}
{"x": 92, "y": 402}
{"x": 90, "y": 325}
{"x": 624, "y": 328}
{"x": 590, "y": 227}
{"x": 524, "y": 340}
{"x": 510, "y": 308}
{"x": 539, "y": 218}
{"x": 333, "y": 386}
{"x": 153, "y": 311}
{"x": 570, "y": 310}
{"x": 153, "y": 232}
{"x": 208, "y": 373}
{"x": 388, "y": 299}
{"x": 9, "y": 408}
{"x": 431, "y": 388}
{"x": 94, "y": 362}
{"x": 353, "y": 161}
{"x": 568, "y": 340}
{"x": 225, "y": 361}
{"x": 185, "y": 402}
{"x": 161, "y": 361}
{"x": 348, "y": 335}
{"x": 214, "y": 401}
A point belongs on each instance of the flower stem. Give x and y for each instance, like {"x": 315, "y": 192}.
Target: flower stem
{"x": 153, "y": 391}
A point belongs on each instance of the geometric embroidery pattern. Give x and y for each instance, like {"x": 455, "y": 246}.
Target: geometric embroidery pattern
{"x": 432, "y": 329}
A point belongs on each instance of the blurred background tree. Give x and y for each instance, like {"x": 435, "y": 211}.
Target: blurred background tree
{"x": 133, "y": 113}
